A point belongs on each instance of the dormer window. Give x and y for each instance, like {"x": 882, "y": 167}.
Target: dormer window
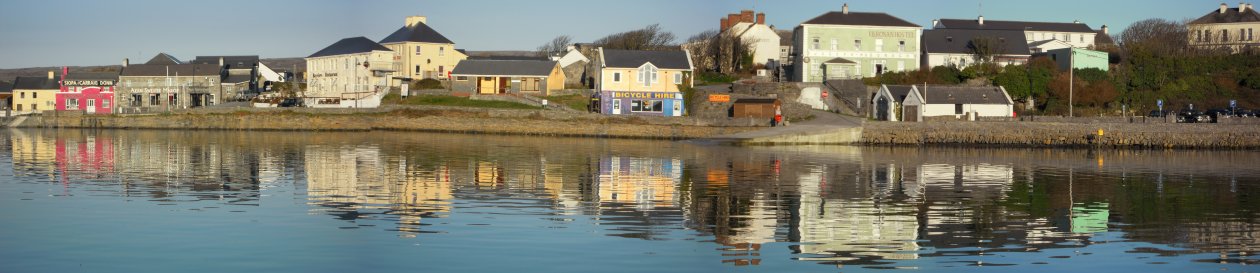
{"x": 648, "y": 75}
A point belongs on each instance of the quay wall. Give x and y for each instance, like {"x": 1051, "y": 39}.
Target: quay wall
{"x": 1061, "y": 134}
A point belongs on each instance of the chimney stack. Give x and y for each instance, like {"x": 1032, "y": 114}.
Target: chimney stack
{"x": 1224, "y": 7}
{"x": 761, "y": 18}
{"x": 981, "y": 19}
{"x": 746, "y": 16}
{"x": 935, "y": 22}
{"x": 1104, "y": 30}
{"x": 845, "y": 9}
{"x": 126, "y": 62}
{"x": 52, "y": 75}
{"x": 725, "y": 25}
{"x": 413, "y": 20}
{"x": 1242, "y": 7}
{"x": 1076, "y": 21}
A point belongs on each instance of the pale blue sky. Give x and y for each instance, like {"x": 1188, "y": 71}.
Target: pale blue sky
{"x": 89, "y": 32}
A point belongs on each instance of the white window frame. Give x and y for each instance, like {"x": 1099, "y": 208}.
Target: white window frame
{"x": 879, "y": 45}
{"x": 616, "y": 76}
{"x": 418, "y": 50}
{"x": 678, "y": 78}
{"x": 857, "y": 45}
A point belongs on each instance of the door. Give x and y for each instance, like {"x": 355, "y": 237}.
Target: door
{"x": 503, "y": 85}
{"x": 91, "y": 106}
{"x": 616, "y": 106}
{"x": 881, "y": 109}
{"x": 485, "y": 85}
{"x": 677, "y": 108}
{"x": 910, "y": 113}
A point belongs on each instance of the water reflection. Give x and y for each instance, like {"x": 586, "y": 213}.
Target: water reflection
{"x": 841, "y": 206}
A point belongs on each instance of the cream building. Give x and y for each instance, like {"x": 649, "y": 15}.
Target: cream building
{"x": 1040, "y": 36}
{"x": 423, "y": 53}
{"x": 35, "y": 94}
{"x": 752, "y": 29}
{"x": 350, "y": 69}
{"x": 1233, "y": 29}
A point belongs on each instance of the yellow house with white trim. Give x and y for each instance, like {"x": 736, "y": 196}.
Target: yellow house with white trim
{"x": 423, "y": 53}
{"x": 35, "y": 94}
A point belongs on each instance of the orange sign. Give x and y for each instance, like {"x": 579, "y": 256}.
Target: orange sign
{"x": 719, "y": 98}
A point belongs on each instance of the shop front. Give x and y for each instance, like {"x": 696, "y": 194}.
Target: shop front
{"x": 669, "y": 104}
{"x": 91, "y": 93}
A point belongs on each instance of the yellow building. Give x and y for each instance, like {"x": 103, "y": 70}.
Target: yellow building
{"x": 423, "y": 53}
{"x": 1227, "y": 28}
{"x": 643, "y": 82}
{"x": 34, "y": 94}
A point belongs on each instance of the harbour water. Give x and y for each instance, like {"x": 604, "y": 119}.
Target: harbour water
{"x": 222, "y": 201}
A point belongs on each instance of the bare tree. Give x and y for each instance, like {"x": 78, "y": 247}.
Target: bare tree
{"x": 556, "y": 46}
{"x": 652, "y": 37}
{"x": 703, "y": 54}
{"x": 722, "y": 52}
{"x": 1157, "y": 36}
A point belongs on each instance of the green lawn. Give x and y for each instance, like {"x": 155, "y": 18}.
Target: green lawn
{"x": 575, "y": 101}
{"x": 453, "y": 101}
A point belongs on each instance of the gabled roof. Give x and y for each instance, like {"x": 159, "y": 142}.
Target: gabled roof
{"x": 839, "y": 61}
{"x": 959, "y": 41}
{"x": 859, "y": 19}
{"x": 504, "y": 68}
{"x": 636, "y": 58}
{"x": 229, "y": 62}
{"x": 944, "y": 94}
{"x": 785, "y": 37}
{"x": 420, "y": 32}
{"x": 350, "y": 46}
{"x": 163, "y": 58}
{"x": 1231, "y": 15}
{"x": 147, "y": 70}
{"x": 1014, "y": 25}
{"x": 92, "y": 76}
{"x": 6, "y": 87}
{"x": 899, "y": 92}
{"x": 37, "y": 83}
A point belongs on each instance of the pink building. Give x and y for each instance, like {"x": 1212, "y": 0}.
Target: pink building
{"x": 92, "y": 93}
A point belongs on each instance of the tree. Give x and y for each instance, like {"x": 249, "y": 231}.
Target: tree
{"x": 651, "y": 37}
{"x": 1156, "y": 36}
{"x": 556, "y": 46}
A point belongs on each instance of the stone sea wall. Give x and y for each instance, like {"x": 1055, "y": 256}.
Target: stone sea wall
{"x": 1055, "y": 134}
{"x": 429, "y": 119}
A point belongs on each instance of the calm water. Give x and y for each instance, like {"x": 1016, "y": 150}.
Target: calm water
{"x": 192, "y": 201}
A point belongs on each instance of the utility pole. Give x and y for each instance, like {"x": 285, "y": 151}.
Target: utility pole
{"x": 1071, "y": 78}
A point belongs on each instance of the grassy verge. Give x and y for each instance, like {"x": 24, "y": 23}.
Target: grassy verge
{"x": 574, "y": 101}
{"x": 453, "y": 101}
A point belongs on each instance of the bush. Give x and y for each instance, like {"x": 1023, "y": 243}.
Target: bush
{"x": 427, "y": 84}
{"x": 714, "y": 77}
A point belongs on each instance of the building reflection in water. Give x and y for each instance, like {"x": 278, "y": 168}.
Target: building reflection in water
{"x": 846, "y": 206}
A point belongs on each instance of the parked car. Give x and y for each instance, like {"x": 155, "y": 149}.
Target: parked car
{"x": 1191, "y": 116}
{"x": 1243, "y": 113}
{"x": 291, "y": 102}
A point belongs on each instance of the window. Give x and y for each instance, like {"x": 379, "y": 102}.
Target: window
{"x": 958, "y": 109}
{"x": 1224, "y": 35}
{"x": 105, "y": 104}
{"x": 835, "y": 45}
{"x": 677, "y": 78}
{"x": 34, "y": 95}
{"x": 1251, "y": 35}
{"x": 417, "y": 70}
{"x": 1069, "y": 37}
{"x": 22, "y": 94}
{"x": 901, "y": 46}
{"x": 461, "y": 78}
{"x": 441, "y": 51}
{"x": 417, "y": 51}
{"x": 857, "y": 45}
{"x": 816, "y": 46}
{"x": 153, "y": 100}
{"x": 617, "y": 77}
{"x": 648, "y": 75}
{"x": 441, "y": 69}
{"x": 1198, "y": 35}
{"x": 72, "y": 104}
{"x": 879, "y": 45}
{"x": 646, "y": 106}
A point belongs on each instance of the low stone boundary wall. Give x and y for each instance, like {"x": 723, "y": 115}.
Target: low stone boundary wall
{"x": 1055, "y": 134}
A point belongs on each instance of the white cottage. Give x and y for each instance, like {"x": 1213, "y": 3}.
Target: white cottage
{"x": 960, "y": 102}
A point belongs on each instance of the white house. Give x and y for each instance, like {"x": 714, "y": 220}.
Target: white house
{"x": 1037, "y": 34}
{"x": 752, "y": 29}
{"x": 351, "y": 73}
{"x": 942, "y": 101}
{"x": 959, "y": 47}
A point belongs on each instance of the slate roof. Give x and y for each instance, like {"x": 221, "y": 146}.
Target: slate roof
{"x": 147, "y": 70}
{"x": 940, "y": 94}
{"x": 163, "y": 58}
{"x": 636, "y": 58}
{"x": 6, "y": 87}
{"x": 1231, "y": 15}
{"x": 859, "y": 19}
{"x": 92, "y": 76}
{"x": 899, "y": 92}
{"x": 37, "y": 83}
{"x": 508, "y": 58}
{"x": 785, "y": 37}
{"x": 1015, "y": 25}
{"x": 504, "y": 68}
{"x": 230, "y": 62}
{"x": 420, "y": 32}
{"x": 350, "y": 46}
{"x": 959, "y": 41}
{"x": 236, "y": 78}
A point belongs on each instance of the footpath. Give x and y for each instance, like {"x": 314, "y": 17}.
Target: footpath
{"x": 825, "y": 128}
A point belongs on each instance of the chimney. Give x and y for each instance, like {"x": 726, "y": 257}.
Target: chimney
{"x": 845, "y": 9}
{"x": 1224, "y": 7}
{"x": 746, "y": 16}
{"x": 732, "y": 20}
{"x": 761, "y": 18}
{"x": 935, "y": 23}
{"x": 52, "y": 75}
{"x": 126, "y": 62}
{"x": 724, "y": 25}
{"x": 220, "y": 61}
{"x": 1076, "y": 21}
{"x": 1104, "y": 30}
{"x": 413, "y": 20}
{"x": 1242, "y": 7}
{"x": 981, "y": 20}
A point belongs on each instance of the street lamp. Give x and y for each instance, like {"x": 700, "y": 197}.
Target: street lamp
{"x": 1071, "y": 78}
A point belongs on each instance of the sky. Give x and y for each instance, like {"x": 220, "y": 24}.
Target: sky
{"x": 40, "y": 33}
